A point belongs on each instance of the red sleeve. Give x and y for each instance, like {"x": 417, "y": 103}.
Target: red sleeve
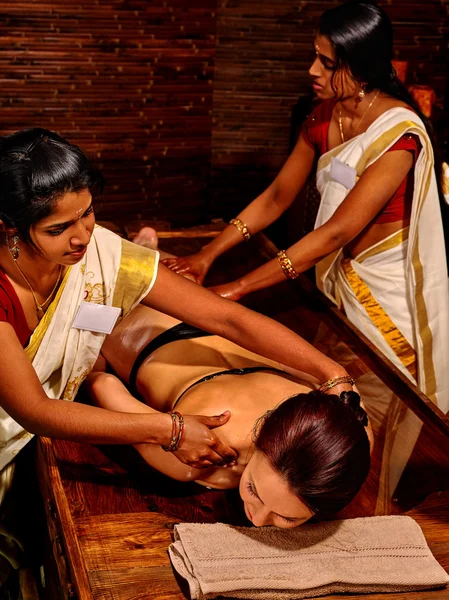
{"x": 316, "y": 126}
{"x": 11, "y": 310}
{"x": 308, "y": 130}
{"x": 409, "y": 142}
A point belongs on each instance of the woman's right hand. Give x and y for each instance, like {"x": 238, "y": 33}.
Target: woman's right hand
{"x": 195, "y": 265}
{"x": 200, "y": 447}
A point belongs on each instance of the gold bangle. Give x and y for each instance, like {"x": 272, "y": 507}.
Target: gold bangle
{"x": 286, "y": 264}
{"x": 174, "y": 433}
{"x": 242, "y": 227}
{"x": 330, "y": 383}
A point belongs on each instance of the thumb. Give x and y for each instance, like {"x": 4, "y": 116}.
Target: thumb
{"x": 218, "y": 420}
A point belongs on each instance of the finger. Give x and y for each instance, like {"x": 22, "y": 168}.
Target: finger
{"x": 227, "y": 454}
{"x": 168, "y": 261}
{"x": 212, "y": 459}
{"x": 183, "y": 269}
{"x": 171, "y": 265}
{"x": 217, "y": 420}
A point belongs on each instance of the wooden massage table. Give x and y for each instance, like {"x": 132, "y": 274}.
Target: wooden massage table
{"x": 110, "y": 517}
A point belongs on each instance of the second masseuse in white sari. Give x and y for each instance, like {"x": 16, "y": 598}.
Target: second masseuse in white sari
{"x": 378, "y": 241}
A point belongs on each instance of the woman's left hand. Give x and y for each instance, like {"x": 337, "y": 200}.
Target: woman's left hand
{"x": 232, "y": 290}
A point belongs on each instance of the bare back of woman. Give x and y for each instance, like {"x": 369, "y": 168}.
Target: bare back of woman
{"x": 165, "y": 376}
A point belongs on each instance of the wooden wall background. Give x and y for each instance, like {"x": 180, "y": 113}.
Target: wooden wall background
{"x": 185, "y": 124}
{"x": 130, "y": 81}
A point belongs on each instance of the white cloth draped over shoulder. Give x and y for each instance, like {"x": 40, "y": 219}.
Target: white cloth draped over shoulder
{"x": 397, "y": 291}
{"x": 113, "y": 272}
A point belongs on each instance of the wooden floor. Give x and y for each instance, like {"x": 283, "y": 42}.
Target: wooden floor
{"x": 110, "y": 517}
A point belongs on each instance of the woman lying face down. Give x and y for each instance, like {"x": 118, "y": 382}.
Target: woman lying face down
{"x": 301, "y": 452}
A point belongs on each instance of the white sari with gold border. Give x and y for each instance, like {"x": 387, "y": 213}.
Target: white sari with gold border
{"x": 396, "y": 292}
{"x": 113, "y": 272}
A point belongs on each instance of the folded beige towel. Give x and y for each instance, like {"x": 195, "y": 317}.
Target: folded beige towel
{"x": 374, "y": 554}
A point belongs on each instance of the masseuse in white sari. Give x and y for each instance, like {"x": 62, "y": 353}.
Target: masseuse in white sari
{"x": 64, "y": 283}
{"x": 378, "y": 242}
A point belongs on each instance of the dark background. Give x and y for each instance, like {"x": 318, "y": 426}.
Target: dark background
{"x": 184, "y": 104}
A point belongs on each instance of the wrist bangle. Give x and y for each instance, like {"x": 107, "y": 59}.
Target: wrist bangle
{"x": 177, "y": 431}
{"x": 180, "y": 431}
{"x": 174, "y": 435}
{"x": 242, "y": 227}
{"x": 286, "y": 265}
{"x": 330, "y": 383}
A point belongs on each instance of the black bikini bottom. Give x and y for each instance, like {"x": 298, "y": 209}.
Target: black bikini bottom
{"x": 183, "y": 331}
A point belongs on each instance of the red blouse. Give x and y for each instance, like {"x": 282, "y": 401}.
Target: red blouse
{"x": 11, "y": 310}
{"x": 315, "y": 131}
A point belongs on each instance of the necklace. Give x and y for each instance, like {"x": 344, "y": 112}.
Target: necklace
{"x": 340, "y": 124}
{"x": 40, "y": 307}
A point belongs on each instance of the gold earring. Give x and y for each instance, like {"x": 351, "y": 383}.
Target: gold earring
{"x": 362, "y": 91}
{"x": 15, "y": 249}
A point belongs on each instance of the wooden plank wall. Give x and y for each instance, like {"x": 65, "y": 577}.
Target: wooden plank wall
{"x": 263, "y": 55}
{"x": 130, "y": 81}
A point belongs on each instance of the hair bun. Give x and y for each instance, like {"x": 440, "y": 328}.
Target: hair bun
{"x": 352, "y": 399}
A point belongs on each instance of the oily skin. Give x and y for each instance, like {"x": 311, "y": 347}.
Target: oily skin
{"x": 267, "y": 498}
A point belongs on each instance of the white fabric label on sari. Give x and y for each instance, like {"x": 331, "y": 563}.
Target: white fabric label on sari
{"x": 96, "y": 317}
{"x": 342, "y": 173}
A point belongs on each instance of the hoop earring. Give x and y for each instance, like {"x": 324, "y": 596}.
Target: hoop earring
{"x": 15, "y": 248}
{"x": 362, "y": 91}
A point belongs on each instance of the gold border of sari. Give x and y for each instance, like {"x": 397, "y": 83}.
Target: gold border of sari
{"x": 371, "y": 154}
{"x": 380, "y": 319}
{"x": 41, "y": 329}
{"x": 138, "y": 267}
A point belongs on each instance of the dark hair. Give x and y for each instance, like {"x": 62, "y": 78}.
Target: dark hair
{"x": 37, "y": 167}
{"x": 318, "y": 444}
{"x": 362, "y": 37}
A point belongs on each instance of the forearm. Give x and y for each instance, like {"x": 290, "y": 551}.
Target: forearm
{"x": 280, "y": 344}
{"x": 181, "y": 298}
{"x": 261, "y": 213}
{"x": 82, "y": 423}
{"x": 303, "y": 255}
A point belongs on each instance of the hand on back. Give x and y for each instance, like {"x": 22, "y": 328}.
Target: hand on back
{"x": 194, "y": 265}
{"x": 200, "y": 446}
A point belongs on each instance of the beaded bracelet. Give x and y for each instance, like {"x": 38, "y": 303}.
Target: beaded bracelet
{"x": 286, "y": 265}
{"x": 330, "y": 383}
{"x": 177, "y": 431}
{"x": 180, "y": 431}
{"x": 174, "y": 436}
{"x": 242, "y": 227}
